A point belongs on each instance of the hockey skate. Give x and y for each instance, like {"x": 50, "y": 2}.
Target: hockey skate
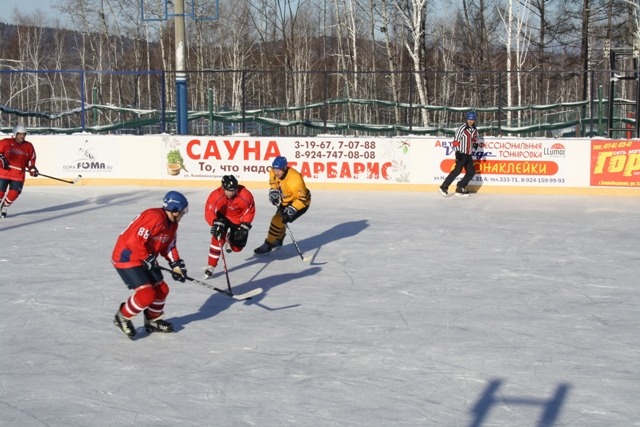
{"x": 208, "y": 272}
{"x": 267, "y": 247}
{"x": 157, "y": 325}
{"x": 3, "y": 211}
{"x": 125, "y": 325}
{"x": 462, "y": 192}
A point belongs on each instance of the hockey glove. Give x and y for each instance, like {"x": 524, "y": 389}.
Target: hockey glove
{"x": 218, "y": 229}
{"x": 242, "y": 232}
{"x": 275, "y": 196}
{"x": 149, "y": 263}
{"x": 4, "y": 162}
{"x": 179, "y": 270}
{"x": 33, "y": 171}
{"x": 475, "y": 145}
{"x": 289, "y": 214}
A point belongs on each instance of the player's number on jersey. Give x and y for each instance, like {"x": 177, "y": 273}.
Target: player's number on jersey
{"x": 143, "y": 232}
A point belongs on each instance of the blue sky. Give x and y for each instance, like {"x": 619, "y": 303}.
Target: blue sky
{"x": 26, "y": 7}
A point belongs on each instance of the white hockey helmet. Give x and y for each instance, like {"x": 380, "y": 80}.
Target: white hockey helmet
{"x": 19, "y": 129}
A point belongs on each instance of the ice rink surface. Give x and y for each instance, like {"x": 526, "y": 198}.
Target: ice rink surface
{"x": 414, "y": 310}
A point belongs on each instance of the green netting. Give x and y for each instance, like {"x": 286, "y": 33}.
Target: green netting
{"x": 261, "y": 116}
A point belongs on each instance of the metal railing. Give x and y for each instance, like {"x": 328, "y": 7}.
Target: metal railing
{"x": 222, "y": 102}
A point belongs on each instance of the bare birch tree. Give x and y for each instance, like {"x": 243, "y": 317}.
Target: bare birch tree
{"x": 517, "y": 36}
{"x": 413, "y": 13}
{"x": 390, "y": 37}
{"x": 634, "y": 8}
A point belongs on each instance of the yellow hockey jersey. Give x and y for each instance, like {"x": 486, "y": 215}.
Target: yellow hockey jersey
{"x": 294, "y": 190}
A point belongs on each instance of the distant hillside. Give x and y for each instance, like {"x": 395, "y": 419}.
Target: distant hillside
{"x": 41, "y": 42}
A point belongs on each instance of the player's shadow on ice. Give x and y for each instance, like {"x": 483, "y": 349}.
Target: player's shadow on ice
{"x": 479, "y": 158}
{"x": 310, "y": 246}
{"x": 337, "y": 232}
{"x": 73, "y": 208}
{"x": 270, "y": 282}
{"x": 217, "y": 302}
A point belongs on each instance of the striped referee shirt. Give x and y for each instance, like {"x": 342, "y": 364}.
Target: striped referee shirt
{"x": 467, "y": 136}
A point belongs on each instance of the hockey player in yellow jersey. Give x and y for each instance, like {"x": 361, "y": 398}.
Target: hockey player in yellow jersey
{"x": 290, "y": 196}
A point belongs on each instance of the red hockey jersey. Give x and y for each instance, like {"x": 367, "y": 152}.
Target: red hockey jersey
{"x": 240, "y": 208}
{"x": 150, "y": 233}
{"x": 20, "y": 156}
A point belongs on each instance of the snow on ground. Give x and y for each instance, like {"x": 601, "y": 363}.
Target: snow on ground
{"x": 415, "y": 310}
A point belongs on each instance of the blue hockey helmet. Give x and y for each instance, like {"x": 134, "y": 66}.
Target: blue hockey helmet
{"x": 471, "y": 115}
{"x": 174, "y": 202}
{"x": 229, "y": 182}
{"x": 279, "y": 162}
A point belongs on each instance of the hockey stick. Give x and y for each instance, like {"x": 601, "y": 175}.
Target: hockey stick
{"x": 73, "y": 181}
{"x": 238, "y": 297}
{"x": 226, "y": 271}
{"x": 286, "y": 224}
{"x": 293, "y": 239}
{"x": 76, "y": 179}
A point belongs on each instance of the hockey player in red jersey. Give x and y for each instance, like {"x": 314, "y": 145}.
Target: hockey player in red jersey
{"x": 16, "y": 155}
{"x": 229, "y": 211}
{"x": 151, "y": 233}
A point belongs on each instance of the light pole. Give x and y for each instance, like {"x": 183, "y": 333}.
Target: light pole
{"x": 181, "y": 76}
{"x": 161, "y": 13}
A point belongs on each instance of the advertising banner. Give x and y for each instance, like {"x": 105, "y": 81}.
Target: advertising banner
{"x": 522, "y": 162}
{"x": 374, "y": 162}
{"x": 325, "y": 159}
{"x": 99, "y": 156}
{"x": 615, "y": 163}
